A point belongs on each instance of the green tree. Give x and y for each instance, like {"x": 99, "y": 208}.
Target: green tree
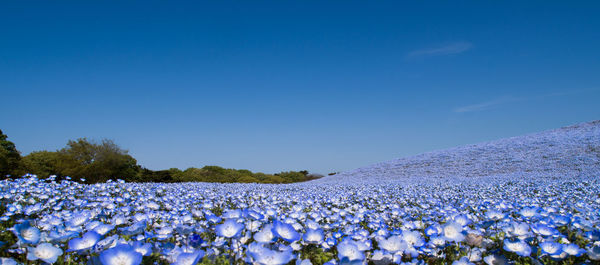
{"x": 42, "y": 163}
{"x": 247, "y": 179}
{"x": 97, "y": 162}
{"x": 10, "y": 158}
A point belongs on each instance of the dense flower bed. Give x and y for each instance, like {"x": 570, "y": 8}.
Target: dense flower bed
{"x": 412, "y": 221}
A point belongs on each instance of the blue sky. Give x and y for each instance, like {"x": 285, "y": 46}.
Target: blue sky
{"x": 291, "y": 85}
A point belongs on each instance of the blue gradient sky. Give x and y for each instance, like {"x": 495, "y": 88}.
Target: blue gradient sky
{"x": 282, "y": 85}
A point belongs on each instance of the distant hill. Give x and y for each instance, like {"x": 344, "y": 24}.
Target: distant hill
{"x": 572, "y": 151}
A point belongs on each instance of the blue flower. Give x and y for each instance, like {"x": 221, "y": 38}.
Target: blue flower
{"x": 87, "y": 241}
{"x": 453, "y": 232}
{"x": 517, "y": 246}
{"x": 348, "y": 250}
{"x": 544, "y": 230}
{"x": 393, "y": 244}
{"x": 143, "y": 248}
{"x": 462, "y": 219}
{"x": 195, "y": 240}
{"x": 551, "y": 248}
{"x": 189, "y": 258}
{"x": 46, "y": 252}
{"x": 313, "y": 236}
{"x": 594, "y": 252}
{"x": 120, "y": 255}
{"x": 229, "y": 229}
{"x": 285, "y": 231}
{"x": 7, "y": 261}
{"x": 78, "y": 219}
{"x": 573, "y": 250}
{"x": 413, "y": 238}
{"x": 433, "y": 230}
{"x": 265, "y": 256}
{"x": 463, "y": 261}
{"x": 495, "y": 260}
{"x": 102, "y": 229}
{"x": 27, "y": 233}
{"x": 265, "y": 235}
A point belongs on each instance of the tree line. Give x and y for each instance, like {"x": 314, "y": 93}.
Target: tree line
{"x": 92, "y": 162}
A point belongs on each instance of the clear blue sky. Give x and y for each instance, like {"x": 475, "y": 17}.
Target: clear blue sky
{"x": 290, "y": 85}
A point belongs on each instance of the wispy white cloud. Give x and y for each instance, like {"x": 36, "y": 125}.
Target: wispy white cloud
{"x": 508, "y": 99}
{"x": 486, "y": 105}
{"x": 446, "y": 49}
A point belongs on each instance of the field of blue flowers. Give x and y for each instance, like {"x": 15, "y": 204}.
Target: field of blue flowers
{"x": 410, "y": 221}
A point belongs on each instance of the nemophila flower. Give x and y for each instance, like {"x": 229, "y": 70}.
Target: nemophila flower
{"x": 433, "y": 230}
{"x": 45, "y": 252}
{"x": 380, "y": 257}
{"x": 438, "y": 241}
{"x": 195, "y": 240}
{"x": 27, "y": 233}
{"x": 253, "y": 225}
{"x": 463, "y": 261}
{"x": 453, "y": 232}
{"x": 550, "y": 248}
{"x": 544, "y": 230}
{"x": 265, "y": 235}
{"x": 164, "y": 232}
{"x": 413, "y": 238}
{"x": 265, "y": 256}
{"x": 495, "y": 215}
{"x": 255, "y": 215}
{"x": 285, "y": 231}
{"x": 60, "y": 235}
{"x": 303, "y": 262}
{"x": 462, "y": 219}
{"x": 517, "y": 246}
{"x": 87, "y": 241}
{"x": 32, "y": 209}
{"x": 78, "y": 219}
{"x": 213, "y": 218}
{"x": 106, "y": 243}
{"x": 102, "y": 229}
{"x": 143, "y": 248}
{"x": 348, "y": 261}
{"x": 495, "y": 260}
{"x": 573, "y": 250}
{"x": 592, "y": 235}
{"x": 120, "y": 255}
{"x": 561, "y": 219}
{"x": 189, "y": 258}
{"x": 313, "y": 236}
{"x": 594, "y": 252}
{"x": 393, "y": 244}
{"x": 135, "y": 228}
{"x": 7, "y": 261}
{"x": 348, "y": 250}
{"x": 529, "y": 212}
{"x": 229, "y": 229}
{"x": 235, "y": 214}
{"x": 519, "y": 229}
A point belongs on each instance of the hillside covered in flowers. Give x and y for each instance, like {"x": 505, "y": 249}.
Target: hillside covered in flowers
{"x": 571, "y": 151}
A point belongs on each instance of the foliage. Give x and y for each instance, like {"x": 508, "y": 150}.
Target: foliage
{"x": 42, "y": 163}
{"x": 228, "y": 175}
{"x": 100, "y": 161}
{"x": 9, "y": 156}
{"x": 96, "y": 162}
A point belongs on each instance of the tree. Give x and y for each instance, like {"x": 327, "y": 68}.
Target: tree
{"x": 10, "y": 158}
{"x": 42, "y": 163}
{"x": 97, "y": 162}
